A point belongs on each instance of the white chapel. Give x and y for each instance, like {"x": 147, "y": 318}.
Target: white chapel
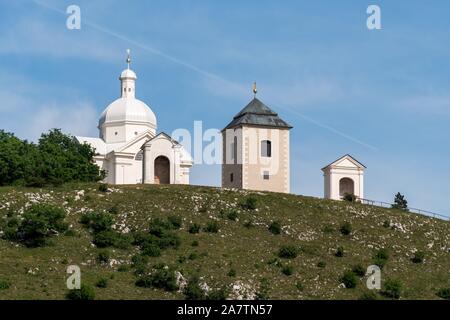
{"x": 129, "y": 148}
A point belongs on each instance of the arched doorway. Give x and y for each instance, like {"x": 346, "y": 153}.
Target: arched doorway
{"x": 162, "y": 170}
{"x": 346, "y": 186}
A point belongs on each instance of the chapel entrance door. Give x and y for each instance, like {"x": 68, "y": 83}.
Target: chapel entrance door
{"x": 162, "y": 170}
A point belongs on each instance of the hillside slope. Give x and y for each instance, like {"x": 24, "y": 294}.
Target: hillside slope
{"x": 242, "y": 256}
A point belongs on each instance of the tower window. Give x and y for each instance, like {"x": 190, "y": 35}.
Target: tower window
{"x": 266, "y": 148}
{"x": 266, "y": 175}
{"x": 116, "y": 133}
{"x": 231, "y": 177}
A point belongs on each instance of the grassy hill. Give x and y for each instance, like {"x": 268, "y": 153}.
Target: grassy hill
{"x": 243, "y": 256}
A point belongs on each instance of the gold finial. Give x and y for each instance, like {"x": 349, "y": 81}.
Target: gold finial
{"x": 128, "y": 58}
{"x": 255, "y": 91}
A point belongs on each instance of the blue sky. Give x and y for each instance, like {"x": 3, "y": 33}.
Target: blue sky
{"x": 382, "y": 96}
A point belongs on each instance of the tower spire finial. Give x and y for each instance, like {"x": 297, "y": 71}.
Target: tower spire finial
{"x": 255, "y": 90}
{"x": 128, "y": 58}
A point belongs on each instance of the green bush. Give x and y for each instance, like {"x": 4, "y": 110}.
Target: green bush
{"x": 249, "y": 203}
{"x": 369, "y": 295}
{"x": 40, "y": 222}
{"x": 151, "y": 250}
{"x": 359, "y": 270}
{"x": 232, "y": 273}
{"x": 102, "y": 283}
{"x": 287, "y": 270}
{"x": 212, "y": 227}
{"x": 123, "y": 268}
{"x": 419, "y": 257}
{"x": 264, "y": 290}
{"x": 103, "y": 187}
{"x": 442, "y": 293}
{"x": 175, "y": 221}
{"x": 84, "y": 293}
{"x": 340, "y": 252}
{"x": 98, "y": 221}
{"x": 57, "y": 158}
{"x": 193, "y": 290}
{"x": 105, "y": 239}
{"x": 381, "y": 257}
{"x": 4, "y": 284}
{"x": 387, "y": 224}
{"x": 328, "y": 229}
{"x": 194, "y": 243}
{"x": 346, "y": 228}
{"x": 160, "y": 278}
{"x": 275, "y": 227}
{"x": 220, "y": 294}
{"x": 194, "y": 228}
{"x": 321, "y": 264}
{"x": 288, "y": 252}
{"x": 392, "y": 289}
{"x": 103, "y": 256}
{"x": 139, "y": 263}
{"x": 349, "y": 279}
{"x": 232, "y": 215}
{"x": 350, "y": 197}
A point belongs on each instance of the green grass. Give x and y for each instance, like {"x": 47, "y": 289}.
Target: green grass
{"x": 310, "y": 225}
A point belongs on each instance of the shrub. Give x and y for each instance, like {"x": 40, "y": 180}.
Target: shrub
{"x": 123, "y": 268}
{"x": 151, "y": 250}
{"x": 175, "y": 222}
{"x": 212, "y": 227}
{"x": 102, "y": 283}
{"x": 264, "y": 290}
{"x": 346, "y": 228}
{"x": 328, "y": 229}
{"x": 194, "y": 228}
{"x": 321, "y": 264}
{"x": 103, "y": 256}
{"x": 387, "y": 224}
{"x": 359, "y": 270}
{"x": 104, "y": 239}
{"x": 249, "y": 203}
{"x": 139, "y": 263}
{"x": 194, "y": 243}
{"x": 381, "y": 257}
{"x": 161, "y": 278}
{"x": 288, "y": 252}
{"x": 392, "y": 289}
{"x": 369, "y": 295}
{"x": 193, "y": 290}
{"x": 41, "y": 221}
{"x": 340, "y": 252}
{"x": 232, "y": 273}
{"x": 444, "y": 293}
{"x": 193, "y": 256}
{"x": 97, "y": 221}
{"x": 84, "y": 293}
{"x": 400, "y": 202}
{"x": 275, "y": 227}
{"x": 103, "y": 187}
{"x": 349, "y": 279}
{"x": 248, "y": 224}
{"x": 287, "y": 270}
{"x": 114, "y": 210}
{"x": 350, "y": 197}
{"x": 232, "y": 215}
{"x": 220, "y": 294}
{"x": 4, "y": 284}
{"x": 419, "y": 256}
{"x": 300, "y": 287}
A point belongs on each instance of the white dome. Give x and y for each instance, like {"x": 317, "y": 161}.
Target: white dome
{"x": 128, "y": 74}
{"x": 128, "y": 110}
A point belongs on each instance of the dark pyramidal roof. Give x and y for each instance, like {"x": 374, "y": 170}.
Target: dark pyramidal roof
{"x": 258, "y": 114}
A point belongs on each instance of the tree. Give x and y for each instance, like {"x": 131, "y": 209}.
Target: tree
{"x": 57, "y": 158}
{"x": 400, "y": 202}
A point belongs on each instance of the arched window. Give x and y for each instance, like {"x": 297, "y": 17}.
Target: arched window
{"x": 266, "y": 148}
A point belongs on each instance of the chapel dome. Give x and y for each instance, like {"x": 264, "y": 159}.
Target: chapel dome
{"x": 128, "y": 110}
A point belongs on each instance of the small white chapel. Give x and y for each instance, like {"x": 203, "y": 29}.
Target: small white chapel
{"x": 129, "y": 148}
